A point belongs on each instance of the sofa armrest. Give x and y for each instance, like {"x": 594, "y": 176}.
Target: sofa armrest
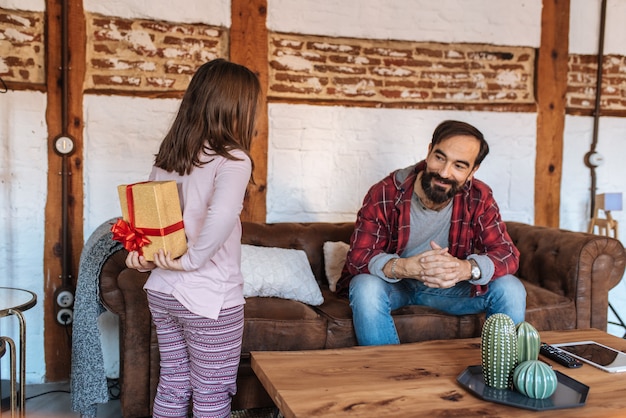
{"x": 110, "y": 294}
{"x": 582, "y": 267}
{"x": 121, "y": 292}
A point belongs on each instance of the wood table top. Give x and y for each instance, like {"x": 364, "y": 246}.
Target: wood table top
{"x": 417, "y": 379}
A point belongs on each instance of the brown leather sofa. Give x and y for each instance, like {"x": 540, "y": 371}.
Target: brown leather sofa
{"x": 567, "y": 276}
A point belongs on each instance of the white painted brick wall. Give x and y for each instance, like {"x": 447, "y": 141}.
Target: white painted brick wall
{"x": 213, "y": 12}
{"x": 31, "y": 5}
{"x": 122, "y": 135}
{"x": 23, "y": 182}
{"x": 515, "y": 23}
{"x": 585, "y": 27}
{"x": 329, "y": 157}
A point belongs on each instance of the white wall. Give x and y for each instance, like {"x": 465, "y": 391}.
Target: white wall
{"x": 326, "y": 158}
{"x": 585, "y": 27}
{"x": 470, "y": 21}
{"x": 356, "y": 145}
{"x": 213, "y": 12}
{"x": 31, "y": 5}
{"x": 122, "y": 135}
{"x": 23, "y": 182}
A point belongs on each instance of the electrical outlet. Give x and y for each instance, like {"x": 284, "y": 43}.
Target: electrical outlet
{"x": 65, "y": 299}
{"x": 65, "y": 316}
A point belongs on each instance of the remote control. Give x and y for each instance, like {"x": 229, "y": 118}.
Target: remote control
{"x": 559, "y": 356}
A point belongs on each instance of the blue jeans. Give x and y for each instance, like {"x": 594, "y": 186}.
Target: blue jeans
{"x": 372, "y": 299}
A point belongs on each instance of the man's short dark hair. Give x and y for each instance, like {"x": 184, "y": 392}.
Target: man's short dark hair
{"x": 449, "y": 128}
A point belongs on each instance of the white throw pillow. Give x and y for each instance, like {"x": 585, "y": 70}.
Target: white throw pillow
{"x": 334, "y": 259}
{"x": 278, "y": 272}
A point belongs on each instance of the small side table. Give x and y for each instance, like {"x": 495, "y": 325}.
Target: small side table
{"x": 13, "y": 395}
{"x": 13, "y": 302}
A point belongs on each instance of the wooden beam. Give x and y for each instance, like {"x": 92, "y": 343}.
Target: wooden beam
{"x": 57, "y": 337}
{"x": 249, "y": 47}
{"x": 551, "y": 108}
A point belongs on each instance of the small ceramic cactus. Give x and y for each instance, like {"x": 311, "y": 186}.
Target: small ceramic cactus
{"x": 498, "y": 351}
{"x": 535, "y": 379}
{"x": 528, "y": 342}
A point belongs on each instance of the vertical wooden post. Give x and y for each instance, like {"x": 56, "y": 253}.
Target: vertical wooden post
{"x": 551, "y": 90}
{"x": 249, "y": 47}
{"x": 57, "y": 342}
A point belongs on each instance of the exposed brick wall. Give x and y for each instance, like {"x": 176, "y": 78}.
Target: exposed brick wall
{"x": 146, "y": 55}
{"x": 22, "y": 46}
{"x": 582, "y": 79}
{"x": 125, "y": 55}
{"x": 322, "y": 68}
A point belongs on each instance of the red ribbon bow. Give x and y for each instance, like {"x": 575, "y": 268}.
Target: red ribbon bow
{"x": 132, "y": 238}
{"x": 125, "y": 232}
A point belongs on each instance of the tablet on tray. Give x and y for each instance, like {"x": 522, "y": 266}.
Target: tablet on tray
{"x": 596, "y": 354}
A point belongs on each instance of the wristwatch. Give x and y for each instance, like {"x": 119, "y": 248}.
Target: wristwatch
{"x": 475, "y": 272}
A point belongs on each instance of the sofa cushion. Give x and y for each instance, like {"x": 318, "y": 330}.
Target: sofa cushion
{"x": 309, "y": 237}
{"x": 547, "y": 310}
{"x": 274, "y": 324}
{"x": 414, "y": 323}
{"x": 278, "y": 272}
{"x": 335, "y": 253}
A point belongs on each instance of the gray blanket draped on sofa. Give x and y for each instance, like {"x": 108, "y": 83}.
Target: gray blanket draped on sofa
{"x": 88, "y": 377}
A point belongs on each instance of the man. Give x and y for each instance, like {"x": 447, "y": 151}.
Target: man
{"x": 432, "y": 235}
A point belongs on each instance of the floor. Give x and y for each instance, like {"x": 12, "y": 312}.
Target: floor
{"x": 53, "y": 400}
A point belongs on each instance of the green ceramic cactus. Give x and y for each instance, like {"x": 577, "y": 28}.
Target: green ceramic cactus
{"x": 535, "y": 379}
{"x": 498, "y": 351}
{"x": 528, "y": 342}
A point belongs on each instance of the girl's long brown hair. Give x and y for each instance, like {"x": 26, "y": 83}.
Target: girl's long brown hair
{"x": 217, "y": 114}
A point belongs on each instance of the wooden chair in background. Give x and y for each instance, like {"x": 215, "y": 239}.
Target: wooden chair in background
{"x": 605, "y": 203}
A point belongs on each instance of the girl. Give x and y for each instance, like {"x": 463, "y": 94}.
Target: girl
{"x": 197, "y": 300}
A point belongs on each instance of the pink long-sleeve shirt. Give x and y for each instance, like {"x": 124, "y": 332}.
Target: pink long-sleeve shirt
{"x": 211, "y": 201}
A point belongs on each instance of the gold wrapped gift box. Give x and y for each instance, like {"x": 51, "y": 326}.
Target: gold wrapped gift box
{"x": 157, "y": 214}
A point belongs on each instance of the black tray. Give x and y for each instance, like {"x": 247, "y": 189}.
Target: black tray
{"x": 569, "y": 393}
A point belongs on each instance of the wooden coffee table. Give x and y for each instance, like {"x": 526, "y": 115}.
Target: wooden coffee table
{"x": 418, "y": 379}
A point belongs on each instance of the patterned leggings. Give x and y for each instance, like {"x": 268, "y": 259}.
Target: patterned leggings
{"x": 199, "y": 359}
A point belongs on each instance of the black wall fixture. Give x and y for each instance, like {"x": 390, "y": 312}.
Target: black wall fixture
{"x": 592, "y": 158}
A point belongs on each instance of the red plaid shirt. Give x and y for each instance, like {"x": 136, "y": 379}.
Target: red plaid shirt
{"x": 383, "y": 224}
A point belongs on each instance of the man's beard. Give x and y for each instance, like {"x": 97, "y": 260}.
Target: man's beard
{"x": 435, "y": 193}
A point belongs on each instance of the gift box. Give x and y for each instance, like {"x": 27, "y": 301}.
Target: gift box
{"x": 151, "y": 219}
